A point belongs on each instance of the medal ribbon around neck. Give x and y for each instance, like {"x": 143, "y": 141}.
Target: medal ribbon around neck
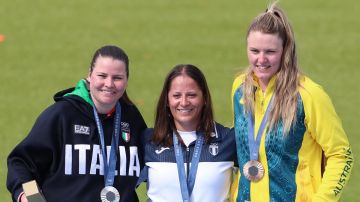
{"x": 255, "y": 144}
{"x": 187, "y": 186}
{"x": 109, "y": 167}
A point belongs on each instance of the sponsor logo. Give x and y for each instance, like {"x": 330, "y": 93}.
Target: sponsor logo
{"x": 80, "y": 129}
{"x": 159, "y": 151}
{"x": 214, "y": 149}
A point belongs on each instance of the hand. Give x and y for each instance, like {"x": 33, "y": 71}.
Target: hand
{"x": 23, "y": 198}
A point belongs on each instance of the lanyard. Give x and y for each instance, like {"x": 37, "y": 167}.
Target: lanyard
{"x": 255, "y": 144}
{"x": 109, "y": 167}
{"x": 187, "y": 186}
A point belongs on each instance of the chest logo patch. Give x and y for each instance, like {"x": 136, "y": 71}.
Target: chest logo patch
{"x": 80, "y": 129}
{"x": 125, "y": 131}
{"x": 159, "y": 151}
{"x": 214, "y": 149}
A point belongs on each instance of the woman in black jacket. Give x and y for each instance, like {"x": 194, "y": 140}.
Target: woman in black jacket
{"x": 84, "y": 147}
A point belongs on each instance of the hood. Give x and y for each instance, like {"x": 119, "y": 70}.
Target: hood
{"x": 80, "y": 90}
{"x": 78, "y": 96}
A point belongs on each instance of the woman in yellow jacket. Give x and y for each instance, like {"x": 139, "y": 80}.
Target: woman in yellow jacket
{"x": 285, "y": 123}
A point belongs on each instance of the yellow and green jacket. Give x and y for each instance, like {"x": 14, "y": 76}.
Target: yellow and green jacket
{"x": 293, "y": 162}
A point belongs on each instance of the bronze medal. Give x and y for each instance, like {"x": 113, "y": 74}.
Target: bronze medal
{"x": 109, "y": 194}
{"x": 253, "y": 171}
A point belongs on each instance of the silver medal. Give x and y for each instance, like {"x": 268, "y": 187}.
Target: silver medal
{"x": 109, "y": 194}
{"x": 253, "y": 171}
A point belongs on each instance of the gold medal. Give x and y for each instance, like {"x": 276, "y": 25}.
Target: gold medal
{"x": 253, "y": 171}
{"x": 109, "y": 194}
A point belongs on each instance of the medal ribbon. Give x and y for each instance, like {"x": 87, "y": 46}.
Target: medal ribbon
{"x": 255, "y": 144}
{"x": 109, "y": 167}
{"x": 187, "y": 186}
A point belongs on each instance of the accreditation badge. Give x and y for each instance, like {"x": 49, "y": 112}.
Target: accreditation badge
{"x": 253, "y": 171}
{"x": 109, "y": 194}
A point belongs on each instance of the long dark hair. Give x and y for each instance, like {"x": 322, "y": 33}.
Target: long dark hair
{"x": 164, "y": 121}
{"x": 115, "y": 53}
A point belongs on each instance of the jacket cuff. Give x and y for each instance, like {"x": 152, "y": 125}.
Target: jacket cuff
{"x": 20, "y": 195}
{"x": 17, "y": 194}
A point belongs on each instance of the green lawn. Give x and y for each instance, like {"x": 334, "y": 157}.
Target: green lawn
{"x": 49, "y": 44}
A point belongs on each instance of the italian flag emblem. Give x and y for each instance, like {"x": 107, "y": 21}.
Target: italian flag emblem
{"x": 125, "y": 136}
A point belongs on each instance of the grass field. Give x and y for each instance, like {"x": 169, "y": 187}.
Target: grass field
{"x": 48, "y": 46}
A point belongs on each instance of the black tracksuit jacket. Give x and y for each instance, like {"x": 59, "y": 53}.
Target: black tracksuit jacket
{"x": 62, "y": 152}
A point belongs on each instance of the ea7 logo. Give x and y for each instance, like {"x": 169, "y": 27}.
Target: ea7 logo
{"x": 79, "y": 129}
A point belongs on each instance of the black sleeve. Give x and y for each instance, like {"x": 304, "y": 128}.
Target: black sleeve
{"x": 140, "y": 123}
{"x": 232, "y": 135}
{"x": 146, "y": 137}
{"x": 32, "y": 158}
{"x": 140, "y": 126}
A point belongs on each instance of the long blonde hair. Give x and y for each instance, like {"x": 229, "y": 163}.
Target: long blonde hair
{"x": 274, "y": 21}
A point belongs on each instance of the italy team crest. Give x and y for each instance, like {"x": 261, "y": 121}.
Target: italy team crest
{"x": 125, "y": 131}
{"x": 214, "y": 149}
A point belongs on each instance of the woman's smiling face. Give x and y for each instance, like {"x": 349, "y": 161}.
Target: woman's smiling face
{"x": 264, "y": 54}
{"x": 108, "y": 82}
{"x": 185, "y": 100}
